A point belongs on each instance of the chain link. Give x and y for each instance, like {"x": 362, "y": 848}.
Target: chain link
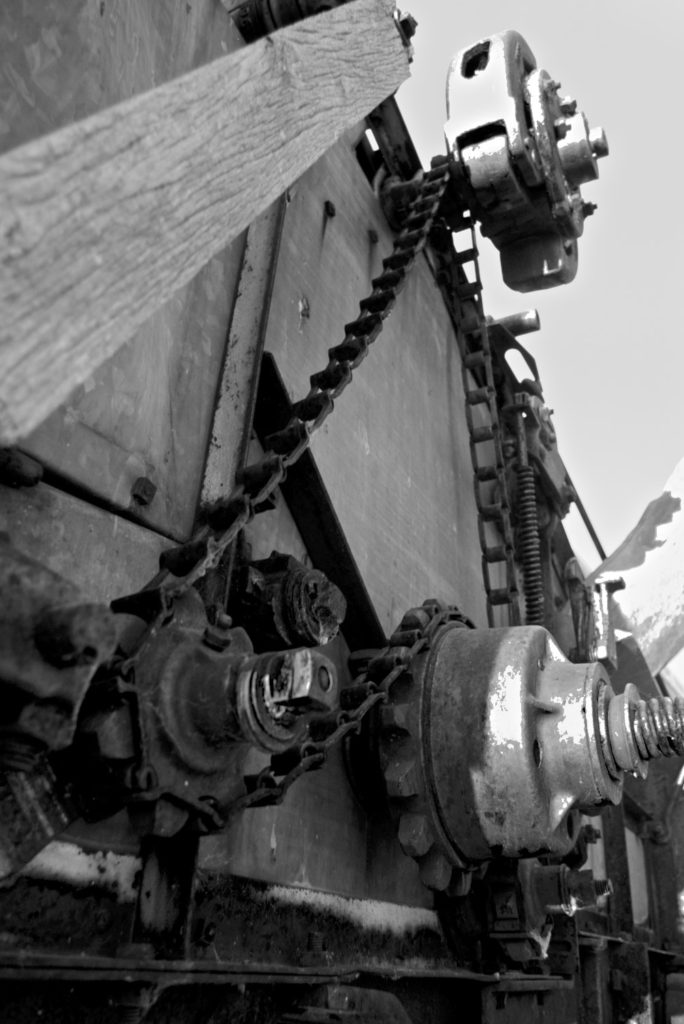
{"x": 367, "y": 691}
{"x": 184, "y": 566}
{"x": 485, "y": 436}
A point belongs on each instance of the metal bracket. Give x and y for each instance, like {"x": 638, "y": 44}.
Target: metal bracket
{"x": 523, "y": 152}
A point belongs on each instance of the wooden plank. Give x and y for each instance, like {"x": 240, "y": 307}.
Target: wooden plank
{"x": 106, "y": 218}
{"x": 63, "y": 62}
{"x": 394, "y": 456}
{"x": 147, "y": 411}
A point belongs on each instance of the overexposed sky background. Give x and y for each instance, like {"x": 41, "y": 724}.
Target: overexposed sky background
{"x": 609, "y": 351}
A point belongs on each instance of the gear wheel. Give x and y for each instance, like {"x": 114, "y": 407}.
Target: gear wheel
{"x": 400, "y": 745}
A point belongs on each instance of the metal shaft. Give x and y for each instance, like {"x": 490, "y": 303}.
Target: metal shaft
{"x": 640, "y": 730}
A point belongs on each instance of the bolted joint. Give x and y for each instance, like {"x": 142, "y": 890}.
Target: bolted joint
{"x": 638, "y": 731}
{"x": 277, "y": 695}
{"x": 558, "y": 889}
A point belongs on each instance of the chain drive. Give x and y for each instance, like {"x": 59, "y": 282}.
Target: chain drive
{"x": 486, "y": 444}
{"x": 370, "y": 689}
{"x": 183, "y": 566}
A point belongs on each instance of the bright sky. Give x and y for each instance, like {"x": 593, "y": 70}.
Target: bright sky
{"x": 609, "y": 352}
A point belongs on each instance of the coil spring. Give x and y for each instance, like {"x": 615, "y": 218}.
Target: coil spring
{"x": 528, "y": 546}
{"x": 658, "y": 727}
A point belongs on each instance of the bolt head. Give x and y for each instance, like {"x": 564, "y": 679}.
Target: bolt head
{"x": 143, "y": 491}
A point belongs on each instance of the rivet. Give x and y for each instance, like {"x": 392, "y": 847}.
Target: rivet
{"x": 143, "y": 490}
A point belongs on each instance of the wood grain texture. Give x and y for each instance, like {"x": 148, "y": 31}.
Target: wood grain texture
{"x": 394, "y": 455}
{"x": 102, "y": 221}
{"x": 147, "y": 410}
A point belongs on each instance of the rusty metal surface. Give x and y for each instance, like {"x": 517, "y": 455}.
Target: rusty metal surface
{"x": 286, "y": 602}
{"x": 327, "y": 896}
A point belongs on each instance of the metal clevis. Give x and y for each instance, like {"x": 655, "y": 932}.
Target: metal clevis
{"x": 523, "y": 152}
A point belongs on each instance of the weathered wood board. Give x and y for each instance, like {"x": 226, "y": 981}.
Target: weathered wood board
{"x": 147, "y": 411}
{"x": 394, "y": 455}
{"x": 107, "y": 217}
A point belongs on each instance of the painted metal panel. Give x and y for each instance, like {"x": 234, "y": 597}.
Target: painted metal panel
{"x": 394, "y": 455}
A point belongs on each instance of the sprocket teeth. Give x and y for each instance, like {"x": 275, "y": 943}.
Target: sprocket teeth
{"x": 394, "y": 718}
{"x": 415, "y": 834}
{"x": 402, "y": 777}
{"x": 416, "y": 618}
{"x": 435, "y": 870}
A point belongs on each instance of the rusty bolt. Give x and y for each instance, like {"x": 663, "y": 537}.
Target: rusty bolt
{"x": 408, "y": 25}
{"x": 415, "y": 834}
{"x": 143, "y": 491}
{"x": 329, "y": 209}
{"x": 568, "y": 106}
{"x": 401, "y": 777}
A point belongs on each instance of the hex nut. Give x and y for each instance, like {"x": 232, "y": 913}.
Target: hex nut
{"x": 143, "y": 490}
